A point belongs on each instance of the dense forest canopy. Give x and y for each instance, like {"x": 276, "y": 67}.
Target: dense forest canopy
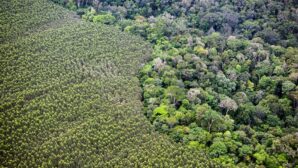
{"x": 223, "y": 75}
{"x": 274, "y": 21}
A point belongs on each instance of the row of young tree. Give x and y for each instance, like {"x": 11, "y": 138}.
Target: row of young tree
{"x": 223, "y": 77}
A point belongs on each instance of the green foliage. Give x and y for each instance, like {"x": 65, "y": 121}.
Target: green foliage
{"x": 245, "y": 150}
{"x": 152, "y": 91}
{"x": 237, "y": 44}
{"x": 288, "y": 86}
{"x": 260, "y": 156}
{"x": 146, "y": 69}
{"x": 218, "y": 148}
{"x": 201, "y": 51}
{"x": 71, "y": 5}
{"x": 174, "y": 94}
{"x": 89, "y": 15}
{"x": 226, "y": 161}
{"x": 266, "y": 83}
{"x": 209, "y": 118}
{"x": 105, "y": 19}
{"x": 162, "y": 110}
{"x": 196, "y": 145}
{"x": 199, "y": 135}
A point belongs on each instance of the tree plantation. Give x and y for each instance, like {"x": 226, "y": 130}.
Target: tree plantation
{"x": 147, "y": 83}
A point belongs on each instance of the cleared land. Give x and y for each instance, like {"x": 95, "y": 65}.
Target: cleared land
{"x": 70, "y": 96}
